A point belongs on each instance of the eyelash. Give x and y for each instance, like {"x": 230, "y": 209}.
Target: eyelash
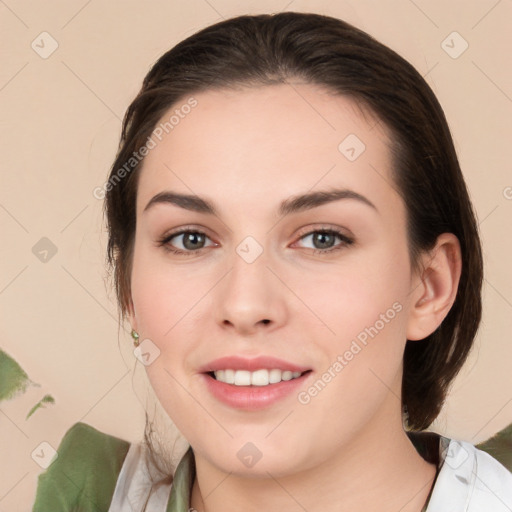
{"x": 345, "y": 241}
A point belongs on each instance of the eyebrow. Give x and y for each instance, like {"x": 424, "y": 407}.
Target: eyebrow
{"x": 293, "y": 204}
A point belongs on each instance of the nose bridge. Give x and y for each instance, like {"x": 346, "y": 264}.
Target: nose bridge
{"x": 250, "y": 293}
{"x": 248, "y": 276}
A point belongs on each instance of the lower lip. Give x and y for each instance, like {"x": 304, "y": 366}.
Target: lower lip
{"x": 253, "y": 397}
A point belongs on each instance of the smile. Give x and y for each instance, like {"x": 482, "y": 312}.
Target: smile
{"x": 252, "y": 383}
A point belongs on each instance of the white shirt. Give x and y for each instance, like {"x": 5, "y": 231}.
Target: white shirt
{"x": 470, "y": 480}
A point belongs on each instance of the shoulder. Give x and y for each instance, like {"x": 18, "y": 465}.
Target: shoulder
{"x": 84, "y": 473}
{"x": 470, "y": 477}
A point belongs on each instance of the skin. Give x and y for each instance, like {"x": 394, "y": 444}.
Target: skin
{"x": 246, "y": 150}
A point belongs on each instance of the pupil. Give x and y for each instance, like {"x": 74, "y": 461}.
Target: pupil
{"x": 194, "y": 238}
{"x": 322, "y": 236}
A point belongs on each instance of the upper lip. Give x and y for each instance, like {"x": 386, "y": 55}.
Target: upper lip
{"x": 251, "y": 364}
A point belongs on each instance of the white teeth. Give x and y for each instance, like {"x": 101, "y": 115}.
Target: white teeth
{"x": 242, "y": 378}
{"x": 274, "y": 376}
{"x": 261, "y": 377}
{"x": 229, "y": 376}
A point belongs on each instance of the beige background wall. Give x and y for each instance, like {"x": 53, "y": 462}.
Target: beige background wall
{"x": 59, "y": 127}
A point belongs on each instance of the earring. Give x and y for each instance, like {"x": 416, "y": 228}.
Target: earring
{"x": 135, "y": 336}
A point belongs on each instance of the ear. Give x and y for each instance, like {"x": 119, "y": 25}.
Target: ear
{"x": 434, "y": 289}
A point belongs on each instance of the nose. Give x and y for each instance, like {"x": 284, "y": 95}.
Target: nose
{"x": 250, "y": 298}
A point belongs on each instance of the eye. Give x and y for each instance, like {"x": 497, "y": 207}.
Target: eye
{"x": 324, "y": 239}
{"x": 188, "y": 241}
{"x": 192, "y": 241}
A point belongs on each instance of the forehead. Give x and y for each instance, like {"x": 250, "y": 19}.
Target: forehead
{"x": 261, "y": 144}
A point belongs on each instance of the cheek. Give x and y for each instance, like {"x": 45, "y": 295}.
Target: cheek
{"x": 363, "y": 355}
{"x": 363, "y": 307}
{"x": 364, "y": 293}
{"x": 163, "y": 295}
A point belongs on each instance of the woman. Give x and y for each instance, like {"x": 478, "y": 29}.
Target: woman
{"x": 298, "y": 259}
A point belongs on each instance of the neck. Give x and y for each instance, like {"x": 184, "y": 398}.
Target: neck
{"x": 380, "y": 470}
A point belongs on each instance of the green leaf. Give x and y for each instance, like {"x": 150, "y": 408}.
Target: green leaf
{"x": 13, "y": 380}
{"x": 47, "y": 399}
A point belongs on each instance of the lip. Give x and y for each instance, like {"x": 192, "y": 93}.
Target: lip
{"x": 251, "y": 364}
{"x": 253, "y": 398}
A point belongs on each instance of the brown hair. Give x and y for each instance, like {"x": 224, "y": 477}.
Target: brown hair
{"x": 269, "y": 49}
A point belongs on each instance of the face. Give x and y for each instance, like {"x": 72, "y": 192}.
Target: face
{"x": 246, "y": 278}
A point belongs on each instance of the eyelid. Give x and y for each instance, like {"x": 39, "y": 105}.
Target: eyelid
{"x": 325, "y": 227}
{"x": 184, "y": 229}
